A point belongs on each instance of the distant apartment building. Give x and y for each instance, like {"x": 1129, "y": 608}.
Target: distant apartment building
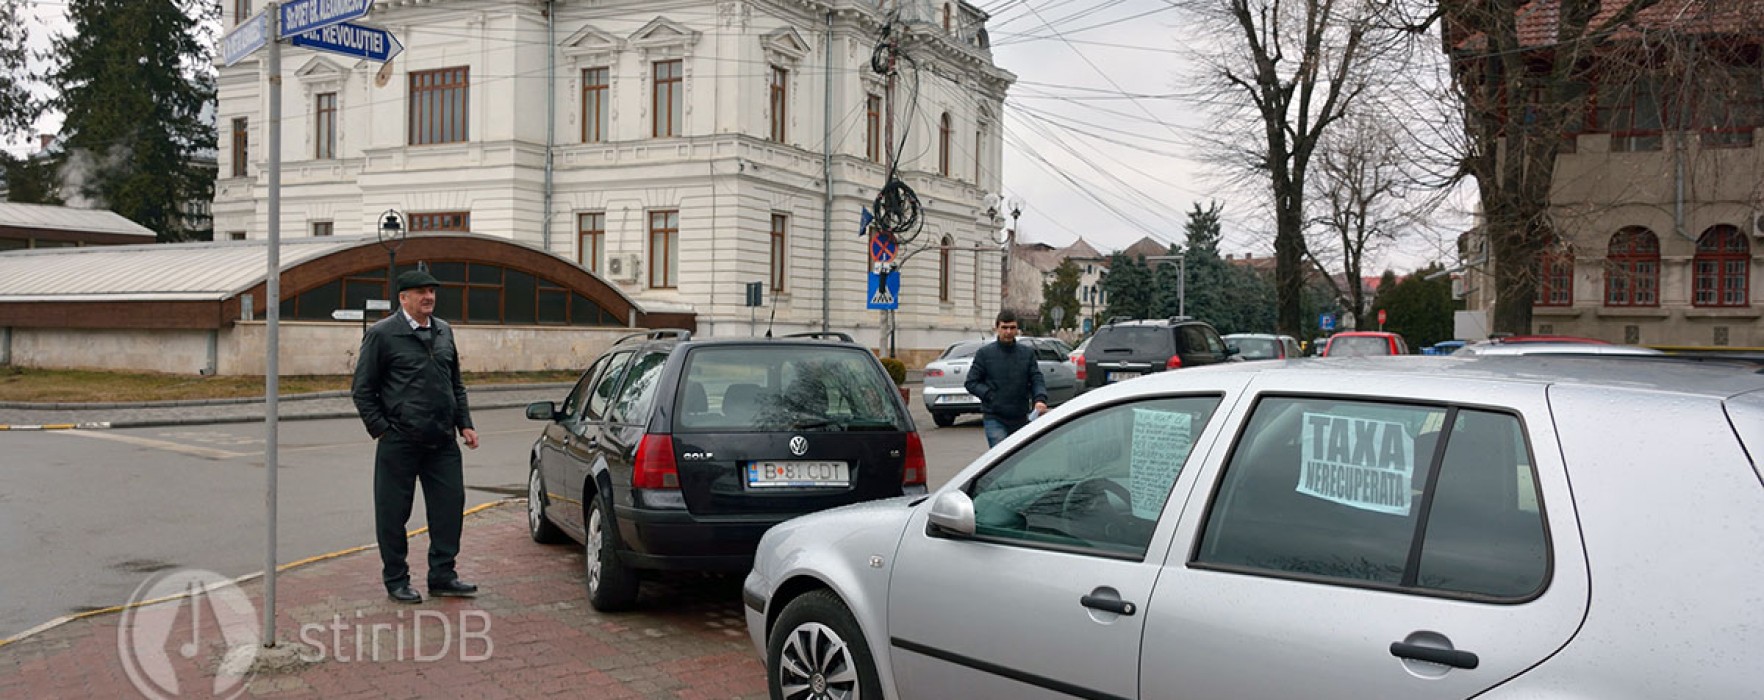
{"x": 677, "y": 150}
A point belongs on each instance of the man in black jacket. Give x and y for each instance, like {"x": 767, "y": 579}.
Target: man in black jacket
{"x": 1006, "y": 379}
{"x": 408, "y": 391}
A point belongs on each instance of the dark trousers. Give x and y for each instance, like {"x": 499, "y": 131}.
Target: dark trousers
{"x": 398, "y": 466}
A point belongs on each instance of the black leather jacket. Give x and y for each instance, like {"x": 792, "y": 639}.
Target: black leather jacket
{"x": 408, "y": 384}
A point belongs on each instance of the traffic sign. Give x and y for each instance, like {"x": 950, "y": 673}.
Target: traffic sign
{"x": 249, "y": 36}
{"x": 349, "y": 315}
{"x": 883, "y": 291}
{"x": 352, "y": 40}
{"x": 1381, "y": 317}
{"x": 379, "y": 305}
{"x": 302, "y": 16}
{"x": 883, "y": 247}
{"x": 1326, "y": 321}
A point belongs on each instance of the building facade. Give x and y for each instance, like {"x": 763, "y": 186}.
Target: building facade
{"x": 678, "y": 149}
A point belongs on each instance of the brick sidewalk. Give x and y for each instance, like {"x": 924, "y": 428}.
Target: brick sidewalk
{"x": 687, "y": 639}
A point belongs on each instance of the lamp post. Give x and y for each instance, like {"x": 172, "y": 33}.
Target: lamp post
{"x": 1181, "y": 279}
{"x": 391, "y": 238}
{"x": 1010, "y": 240}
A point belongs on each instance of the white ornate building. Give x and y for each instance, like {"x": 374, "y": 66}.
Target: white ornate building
{"x": 677, "y": 148}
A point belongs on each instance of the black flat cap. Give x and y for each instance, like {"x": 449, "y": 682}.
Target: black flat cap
{"x": 414, "y": 279}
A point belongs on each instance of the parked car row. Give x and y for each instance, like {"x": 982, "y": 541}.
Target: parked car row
{"x": 946, "y": 398}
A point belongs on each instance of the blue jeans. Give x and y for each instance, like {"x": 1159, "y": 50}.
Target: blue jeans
{"x": 997, "y": 428}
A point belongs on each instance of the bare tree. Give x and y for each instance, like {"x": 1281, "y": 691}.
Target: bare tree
{"x": 1296, "y": 68}
{"x": 1366, "y": 199}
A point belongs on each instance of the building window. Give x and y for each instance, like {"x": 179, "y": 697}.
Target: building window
{"x": 1633, "y": 116}
{"x": 322, "y": 228}
{"x": 235, "y": 235}
{"x": 780, "y": 224}
{"x": 1721, "y": 265}
{"x": 979, "y": 141}
{"x": 241, "y": 11}
{"x": 1730, "y": 106}
{"x": 945, "y": 268}
{"x": 594, "y": 105}
{"x": 439, "y": 103}
{"x": 435, "y": 222}
{"x": 947, "y": 24}
{"x": 664, "y": 249}
{"x": 667, "y": 107}
{"x": 324, "y": 125}
{"x": 945, "y": 130}
{"x": 241, "y": 145}
{"x": 1555, "y": 277}
{"x": 780, "y": 96}
{"x": 873, "y": 128}
{"x": 591, "y": 239}
{"x": 1632, "y": 269}
{"x": 469, "y": 293}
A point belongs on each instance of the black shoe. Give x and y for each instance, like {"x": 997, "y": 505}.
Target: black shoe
{"x": 453, "y": 589}
{"x": 404, "y": 594}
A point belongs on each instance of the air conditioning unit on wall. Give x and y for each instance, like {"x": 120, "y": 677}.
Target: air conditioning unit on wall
{"x": 1758, "y": 223}
{"x": 622, "y": 267}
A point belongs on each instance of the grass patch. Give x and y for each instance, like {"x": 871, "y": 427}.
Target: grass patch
{"x": 73, "y": 386}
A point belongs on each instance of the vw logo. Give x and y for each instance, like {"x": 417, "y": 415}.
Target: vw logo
{"x": 799, "y": 445}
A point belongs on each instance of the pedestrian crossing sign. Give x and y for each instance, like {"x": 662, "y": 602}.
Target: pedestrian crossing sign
{"x": 883, "y": 291}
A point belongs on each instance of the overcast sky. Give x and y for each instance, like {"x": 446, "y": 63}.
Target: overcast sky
{"x": 1095, "y": 132}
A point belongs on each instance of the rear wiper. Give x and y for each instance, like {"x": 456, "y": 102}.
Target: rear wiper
{"x": 816, "y": 425}
{"x": 872, "y": 424}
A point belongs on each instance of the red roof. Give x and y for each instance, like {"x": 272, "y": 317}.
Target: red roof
{"x": 1538, "y": 20}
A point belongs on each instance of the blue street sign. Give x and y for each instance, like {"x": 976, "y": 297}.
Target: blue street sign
{"x": 353, "y": 40}
{"x": 880, "y": 296}
{"x": 1326, "y": 321}
{"x": 302, "y": 16}
{"x": 249, "y": 36}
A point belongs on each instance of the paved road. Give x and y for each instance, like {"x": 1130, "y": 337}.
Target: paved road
{"x": 86, "y": 515}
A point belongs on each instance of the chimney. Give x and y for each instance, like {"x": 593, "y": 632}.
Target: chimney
{"x": 1247, "y": 256}
{"x": 44, "y": 141}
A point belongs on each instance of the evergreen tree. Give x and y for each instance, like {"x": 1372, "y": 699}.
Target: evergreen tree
{"x": 1416, "y": 308}
{"x": 1061, "y": 292}
{"x": 1130, "y": 288}
{"x": 29, "y": 180}
{"x": 18, "y": 109}
{"x": 134, "y": 82}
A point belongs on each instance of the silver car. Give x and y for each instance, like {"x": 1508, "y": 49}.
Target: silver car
{"x": 1548, "y": 348}
{"x": 946, "y": 398}
{"x": 1262, "y": 346}
{"x": 1407, "y": 527}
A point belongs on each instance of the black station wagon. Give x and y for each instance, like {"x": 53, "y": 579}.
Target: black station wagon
{"x": 675, "y": 453}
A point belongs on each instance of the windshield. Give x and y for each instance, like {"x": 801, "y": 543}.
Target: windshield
{"x": 961, "y": 350}
{"x": 1255, "y": 348}
{"x": 764, "y": 389}
{"x": 1358, "y": 346}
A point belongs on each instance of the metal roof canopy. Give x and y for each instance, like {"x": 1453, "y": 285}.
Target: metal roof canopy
{"x": 53, "y": 218}
{"x": 156, "y": 272}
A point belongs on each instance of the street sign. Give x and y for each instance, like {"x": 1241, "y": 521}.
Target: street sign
{"x": 755, "y": 294}
{"x": 883, "y": 291}
{"x": 1326, "y": 322}
{"x": 379, "y": 305}
{"x": 883, "y": 248}
{"x": 349, "y": 315}
{"x": 1058, "y": 313}
{"x": 1381, "y": 317}
{"x": 249, "y": 36}
{"x": 302, "y": 16}
{"x": 352, "y": 40}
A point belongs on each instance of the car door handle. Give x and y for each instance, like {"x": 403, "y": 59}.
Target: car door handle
{"x": 1114, "y": 605}
{"x": 1450, "y": 657}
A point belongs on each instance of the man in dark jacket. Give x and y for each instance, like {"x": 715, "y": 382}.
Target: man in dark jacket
{"x": 408, "y": 391}
{"x": 1007, "y": 380}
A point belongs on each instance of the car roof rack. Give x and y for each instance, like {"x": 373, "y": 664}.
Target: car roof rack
{"x": 658, "y": 334}
{"x": 1118, "y": 319}
{"x": 820, "y": 335}
{"x": 1181, "y": 319}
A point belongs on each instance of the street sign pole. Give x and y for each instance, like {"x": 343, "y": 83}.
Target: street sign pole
{"x": 272, "y": 314}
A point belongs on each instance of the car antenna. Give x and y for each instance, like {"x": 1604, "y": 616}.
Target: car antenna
{"x": 769, "y": 318}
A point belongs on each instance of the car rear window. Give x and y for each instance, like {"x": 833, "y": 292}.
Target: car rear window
{"x": 1255, "y": 348}
{"x": 744, "y": 388}
{"x": 1358, "y": 346}
{"x": 1139, "y": 340}
{"x": 961, "y": 350}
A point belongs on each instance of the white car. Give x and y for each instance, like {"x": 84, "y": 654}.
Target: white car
{"x": 1391, "y": 527}
{"x": 946, "y": 397}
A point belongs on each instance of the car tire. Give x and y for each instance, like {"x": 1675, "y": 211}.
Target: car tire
{"x": 816, "y": 648}
{"x": 539, "y": 526}
{"x": 612, "y": 586}
{"x": 943, "y": 420}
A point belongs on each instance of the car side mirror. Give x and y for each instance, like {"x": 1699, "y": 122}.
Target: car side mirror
{"x": 952, "y": 513}
{"x": 542, "y": 410}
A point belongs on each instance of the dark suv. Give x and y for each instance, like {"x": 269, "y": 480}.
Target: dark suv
{"x": 1124, "y": 349}
{"x": 675, "y": 453}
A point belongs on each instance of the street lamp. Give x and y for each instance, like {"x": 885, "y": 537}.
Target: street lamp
{"x": 391, "y": 238}
{"x": 1181, "y": 279}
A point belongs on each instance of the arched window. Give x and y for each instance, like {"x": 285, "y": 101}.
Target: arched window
{"x": 1722, "y": 262}
{"x": 947, "y": 23}
{"x": 944, "y": 132}
{"x": 1632, "y": 268}
{"x": 944, "y": 269}
{"x": 1555, "y": 276}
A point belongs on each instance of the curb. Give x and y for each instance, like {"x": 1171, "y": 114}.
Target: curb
{"x": 185, "y": 403}
{"x": 64, "y": 619}
{"x": 95, "y": 425}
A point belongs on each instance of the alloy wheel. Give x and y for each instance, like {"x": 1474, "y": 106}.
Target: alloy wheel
{"x": 817, "y": 663}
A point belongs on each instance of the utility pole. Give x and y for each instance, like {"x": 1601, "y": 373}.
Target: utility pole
{"x": 888, "y": 148}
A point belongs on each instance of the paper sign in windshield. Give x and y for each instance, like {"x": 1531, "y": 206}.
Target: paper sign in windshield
{"x": 1358, "y": 462}
{"x": 1161, "y": 442}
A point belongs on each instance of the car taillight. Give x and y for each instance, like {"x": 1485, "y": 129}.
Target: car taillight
{"x": 913, "y": 472}
{"x": 933, "y": 372}
{"x": 1174, "y": 363}
{"x": 1079, "y": 361}
{"x": 655, "y": 467}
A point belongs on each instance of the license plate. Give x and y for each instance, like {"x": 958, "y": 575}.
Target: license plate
{"x": 1118, "y": 376}
{"x": 958, "y": 398}
{"x": 797, "y": 474}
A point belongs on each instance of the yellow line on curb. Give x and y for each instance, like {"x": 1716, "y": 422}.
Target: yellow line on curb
{"x": 57, "y": 622}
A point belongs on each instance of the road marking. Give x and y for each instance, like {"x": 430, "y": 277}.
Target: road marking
{"x": 205, "y": 452}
